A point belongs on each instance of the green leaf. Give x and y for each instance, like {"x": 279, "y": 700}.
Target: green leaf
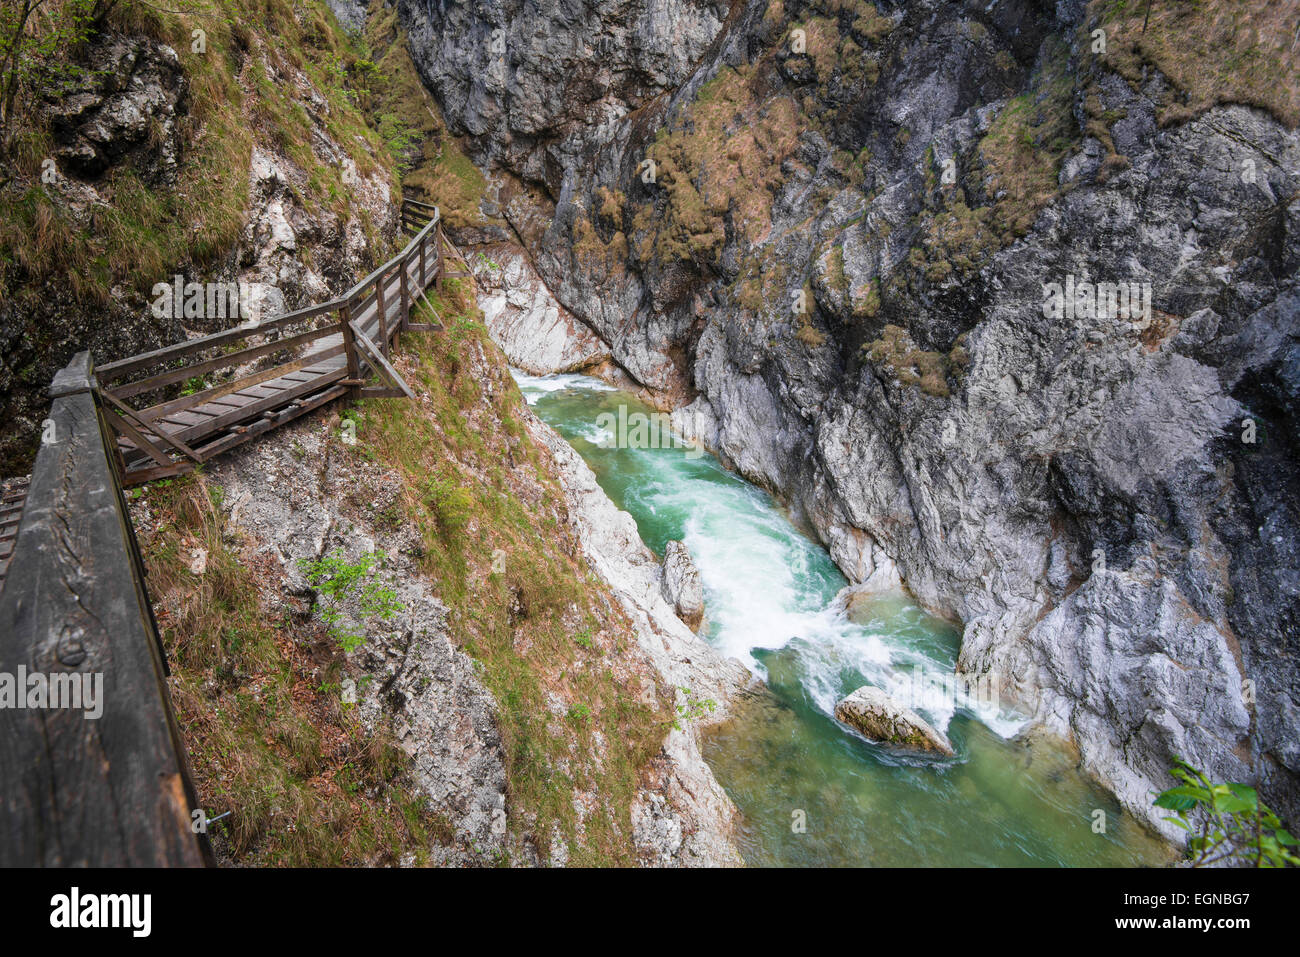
{"x": 1229, "y": 804}
{"x": 1182, "y": 798}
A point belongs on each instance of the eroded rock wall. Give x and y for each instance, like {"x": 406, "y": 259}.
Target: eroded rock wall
{"x": 1081, "y": 491}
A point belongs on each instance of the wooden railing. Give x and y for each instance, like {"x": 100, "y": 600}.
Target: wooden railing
{"x": 107, "y": 782}
{"x": 80, "y": 788}
{"x": 257, "y": 366}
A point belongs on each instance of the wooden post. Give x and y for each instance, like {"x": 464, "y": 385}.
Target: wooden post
{"x": 103, "y": 782}
{"x": 406, "y": 296}
{"x": 381, "y": 309}
{"x": 437, "y": 245}
{"x": 424, "y": 245}
{"x": 350, "y": 349}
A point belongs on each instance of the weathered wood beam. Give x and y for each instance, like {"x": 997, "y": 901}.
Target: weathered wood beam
{"x": 394, "y": 377}
{"x": 111, "y": 790}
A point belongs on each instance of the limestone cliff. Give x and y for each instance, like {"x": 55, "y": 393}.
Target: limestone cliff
{"x": 827, "y": 233}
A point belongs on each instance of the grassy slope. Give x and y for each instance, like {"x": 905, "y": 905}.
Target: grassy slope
{"x": 435, "y": 169}
{"x": 233, "y": 104}
{"x": 257, "y": 691}
{"x": 556, "y": 651}
{"x": 1212, "y": 51}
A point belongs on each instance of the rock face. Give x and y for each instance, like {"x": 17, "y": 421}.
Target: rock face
{"x": 127, "y": 105}
{"x": 884, "y": 720}
{"x": 536, "y": 84}
{"x": 681, "y": 585}
{"x": 536, "y": 333}
{"x": 288, "y": 494}
{"x": 1108, "y": 503}
{"x": 682, "y": 816}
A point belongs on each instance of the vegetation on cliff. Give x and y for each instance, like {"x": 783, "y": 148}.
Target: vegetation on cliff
{"x": 258, "y": 691}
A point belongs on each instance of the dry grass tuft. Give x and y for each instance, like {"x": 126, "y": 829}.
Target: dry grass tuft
{"x": 1213, "y": 51}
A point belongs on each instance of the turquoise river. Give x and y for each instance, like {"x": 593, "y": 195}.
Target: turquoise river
{"x": 811, "y": 791}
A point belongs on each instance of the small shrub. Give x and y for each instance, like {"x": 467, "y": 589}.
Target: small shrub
{"x": 1227, "y": 822}
{"x": 694, "y": 708}
{"x": 337, "y": 580}
{"x": 450, "y": 504}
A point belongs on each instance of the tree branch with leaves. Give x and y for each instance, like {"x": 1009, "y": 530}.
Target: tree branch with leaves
{"x": 1226, "y": 823}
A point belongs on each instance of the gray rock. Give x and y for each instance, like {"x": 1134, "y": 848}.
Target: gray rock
{"x": 538, "y": 86}
{"x": 885, "y": 721}
{"x": 1066, "y": 450}
{"x": 126, "y": 106}
{"x": 681, "y": 584}
{"x": 287, "y": 494}
{"x": 536, "y": 333}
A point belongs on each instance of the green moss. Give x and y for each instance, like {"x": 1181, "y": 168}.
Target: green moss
{"x": 810, "y": 335}
{"x": 611, "y": 205}
{"x": 864, "y": 301}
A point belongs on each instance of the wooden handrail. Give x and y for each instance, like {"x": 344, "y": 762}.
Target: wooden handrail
{"x": 116, "y": 789}
{"x": 193, "y": 427}
{"x": 79, "y": 788}
{"x": 113, "y": 371}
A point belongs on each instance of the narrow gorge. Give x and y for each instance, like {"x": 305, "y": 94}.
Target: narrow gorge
{"x": 840, "y": 432}
{"x": 823, "y": 236}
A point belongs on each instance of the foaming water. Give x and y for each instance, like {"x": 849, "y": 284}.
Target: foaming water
{"x": 811, "y": 790}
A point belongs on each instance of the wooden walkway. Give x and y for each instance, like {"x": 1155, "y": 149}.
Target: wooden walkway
{"x": 282, "y": 369}
{"x": 113, "y": 788}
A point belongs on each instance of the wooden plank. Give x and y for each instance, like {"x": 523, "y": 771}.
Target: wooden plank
{"x": 109, "y": 791}
{"x": 437, "y": 249}
{"x": 382, "y": 311}
{"x": 140, "y": 476}
{"x": 416, "y": 202}
{"x": 394, "y": 377}
{"x": 242, "y": 414}
{"x": 226, "y": 443}
{"x": 200, "y": 399}
{"x": 406, "y": 295}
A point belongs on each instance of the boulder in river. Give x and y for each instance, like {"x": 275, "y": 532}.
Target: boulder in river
{"x": 884, "y": 720}
{"x": 681, "y": 584}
